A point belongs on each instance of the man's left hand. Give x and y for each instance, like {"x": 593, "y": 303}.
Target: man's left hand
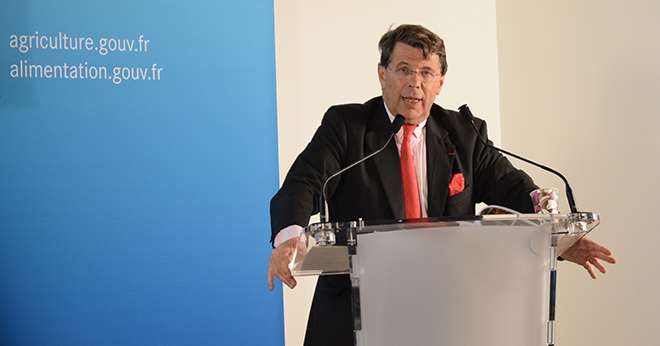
{"x": 588, "y": 254}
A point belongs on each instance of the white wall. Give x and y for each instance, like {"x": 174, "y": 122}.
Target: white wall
{"x": 326, "y": 53}
{"x": 580, "y": 83}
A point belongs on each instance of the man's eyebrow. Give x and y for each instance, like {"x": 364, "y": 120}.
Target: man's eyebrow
{"x": 423, "y": 68}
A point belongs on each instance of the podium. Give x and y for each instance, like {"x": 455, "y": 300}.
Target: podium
{"x": 486, "y": 280}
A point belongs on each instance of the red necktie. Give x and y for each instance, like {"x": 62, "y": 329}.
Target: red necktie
{"x": 408, "y": 175}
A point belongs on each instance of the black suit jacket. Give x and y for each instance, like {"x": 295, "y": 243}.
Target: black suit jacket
{"x": 373, "y": 190}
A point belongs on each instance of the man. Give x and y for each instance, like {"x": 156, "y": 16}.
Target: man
{"x": 436, "y": 167}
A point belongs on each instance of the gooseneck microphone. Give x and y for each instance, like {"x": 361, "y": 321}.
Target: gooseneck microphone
{"x": 396, "y": 126}
{"x": 465, "y": 111}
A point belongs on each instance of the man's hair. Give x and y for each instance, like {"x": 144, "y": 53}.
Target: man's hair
{"x": 416, "y": 36}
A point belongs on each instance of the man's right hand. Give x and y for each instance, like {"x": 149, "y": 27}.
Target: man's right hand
{"x": 279, "y": 263}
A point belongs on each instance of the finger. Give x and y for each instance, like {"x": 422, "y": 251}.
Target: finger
{"x": 590, "y": 270}
{"x": 602, "y": 249}
{"x": 605, "y": 250}
{"x": 597, "y": 264}
{"x": 605, "y": 257}
{"x": 290, "y": 281}
{"x": 593, "y": 246}
{"x": 271, "y": 285}
{"x": 284, "y": 274}
{"x": 277, "y": 272}
{"x": 608, "y": 259}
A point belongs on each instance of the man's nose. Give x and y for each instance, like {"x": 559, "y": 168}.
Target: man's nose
{"x": 415, "y": 79}
{"x": 415, "y": 82}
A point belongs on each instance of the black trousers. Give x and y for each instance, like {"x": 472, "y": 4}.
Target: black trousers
{"x": 330, "y": 319}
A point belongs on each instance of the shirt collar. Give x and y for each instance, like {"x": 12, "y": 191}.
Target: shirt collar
{"x": 418, "y": 129}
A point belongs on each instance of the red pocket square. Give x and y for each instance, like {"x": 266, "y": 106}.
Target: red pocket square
{"x": 456, "y": 184}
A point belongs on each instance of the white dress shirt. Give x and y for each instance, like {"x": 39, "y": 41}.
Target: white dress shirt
{"x": 418, "y": 143}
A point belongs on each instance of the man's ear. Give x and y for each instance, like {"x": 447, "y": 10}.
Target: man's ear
{"x": 442, "y": 83}
{"x": 381, "y": 75}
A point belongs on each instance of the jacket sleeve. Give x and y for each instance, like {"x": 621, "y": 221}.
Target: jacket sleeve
{"x": 298, "y": 197}
{"x": 497, "y": 181}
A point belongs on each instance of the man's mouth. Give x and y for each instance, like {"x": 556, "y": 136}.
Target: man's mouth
{"x": 411, "y": 100}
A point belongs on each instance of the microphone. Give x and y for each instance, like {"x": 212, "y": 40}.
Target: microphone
{"x": 396, "y": 126}
{"x": 397, "y": 123}
{"x": 465, "y": 111}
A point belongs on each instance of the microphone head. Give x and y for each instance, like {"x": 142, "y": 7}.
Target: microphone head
{"x": 465, "y": 112}
{"x": 397, "y": 123}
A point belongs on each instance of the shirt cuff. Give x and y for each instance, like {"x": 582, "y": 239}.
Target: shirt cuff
{"x": 287, "y": 233}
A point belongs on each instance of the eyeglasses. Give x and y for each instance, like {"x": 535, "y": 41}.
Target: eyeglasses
{"x": 404, "y": 72}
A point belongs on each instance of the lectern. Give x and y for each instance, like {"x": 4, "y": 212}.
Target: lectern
{"x": 485, "y": 280}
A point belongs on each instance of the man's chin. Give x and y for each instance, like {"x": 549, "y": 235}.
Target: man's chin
{"x": 413, "y": 117}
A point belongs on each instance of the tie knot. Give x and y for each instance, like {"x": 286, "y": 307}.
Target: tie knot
{"x": 408, "y": 129}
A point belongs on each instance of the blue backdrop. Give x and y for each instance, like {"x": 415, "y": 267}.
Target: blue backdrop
{"x": 134, "y": 204}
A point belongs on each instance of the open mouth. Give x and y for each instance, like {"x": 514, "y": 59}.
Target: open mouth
{"x": 411, "y": 100}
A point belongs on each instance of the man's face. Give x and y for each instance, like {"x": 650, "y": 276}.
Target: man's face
{"x": 411, "y": 82}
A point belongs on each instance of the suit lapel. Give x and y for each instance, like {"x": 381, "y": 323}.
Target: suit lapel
{"x": 438, "y": 164}
{"x": 387, "y": 161}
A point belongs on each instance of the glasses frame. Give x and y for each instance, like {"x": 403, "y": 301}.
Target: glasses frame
{"x": 405, "y": 72}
